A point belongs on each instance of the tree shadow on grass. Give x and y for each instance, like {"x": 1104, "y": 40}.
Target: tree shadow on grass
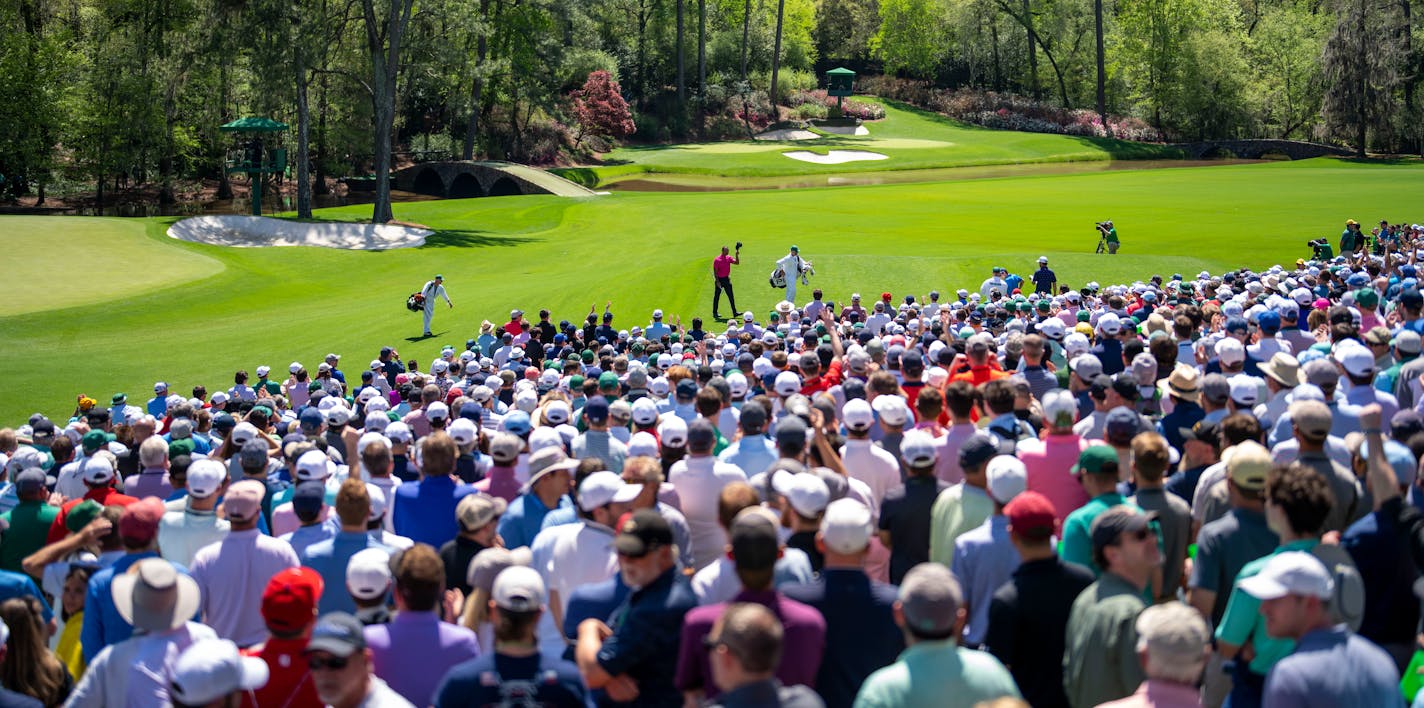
{"x": 472, "y": 238}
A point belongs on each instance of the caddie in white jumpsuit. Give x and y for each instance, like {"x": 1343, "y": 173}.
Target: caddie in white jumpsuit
{"x": 790, "y": 264}
{"x": 433, "y": 289}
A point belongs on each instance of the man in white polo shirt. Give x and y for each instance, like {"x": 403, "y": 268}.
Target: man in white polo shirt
{"x": 572, "y": 555}
{"x": 863, "y": 459}
{"x": 182, "y": 533}
{"x": 699, "y": 479}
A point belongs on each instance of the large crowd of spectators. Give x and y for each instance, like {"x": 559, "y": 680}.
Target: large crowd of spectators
{"x": 1186, "y": 490}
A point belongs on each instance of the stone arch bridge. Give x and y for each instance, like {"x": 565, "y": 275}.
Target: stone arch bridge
{"x": 1254, "y": 149}
{"x": 466, "y": 179}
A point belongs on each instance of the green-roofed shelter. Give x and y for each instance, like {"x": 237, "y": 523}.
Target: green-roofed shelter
{"x": 252, "y": 157}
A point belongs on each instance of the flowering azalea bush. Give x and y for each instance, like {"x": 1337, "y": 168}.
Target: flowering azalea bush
{"x": 1007, "y": 111}
{"x": 600, "y": 109}
{"x": 850, "y": 108}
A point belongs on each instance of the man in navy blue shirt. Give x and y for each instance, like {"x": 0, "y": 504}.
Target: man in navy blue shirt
{"x": 861, "y": 634}
{"x": 634, "y": 661}
{"x": 1043, "y": 278}
{"x": 516, "y": 673}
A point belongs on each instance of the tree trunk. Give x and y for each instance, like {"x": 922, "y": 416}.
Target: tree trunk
{"x": 303, "y": 151}
{"x": 476, "y": 87}
{"x": 776, "y": 59}
{"x": 701, "y": 47}
{"x": 1102, "y": 94}
{"x": 385, "y": 67}
{"x": 681, "y": 57}
{"x": 746, "y": 28}
{"x": 1032, "y": 52}
{"x": 1363, "y": 74}
{"x": 994, "y": 43}
{"x": 319, "y": 187}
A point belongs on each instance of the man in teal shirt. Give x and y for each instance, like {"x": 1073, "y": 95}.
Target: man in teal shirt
{"x": 1298, "y": 500}
{"x": 1097, "y": 470}
{"x": 934, "y": 670}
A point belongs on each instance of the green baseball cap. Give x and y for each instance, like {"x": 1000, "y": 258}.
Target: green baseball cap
{"x": 95, "y": 439}
{"x": 1096, "y": 459}
{"x": 607, "y": 379}
{"x": 82, "y": 513}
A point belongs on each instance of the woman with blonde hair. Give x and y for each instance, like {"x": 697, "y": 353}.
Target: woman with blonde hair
{"x": 484, "y": 567}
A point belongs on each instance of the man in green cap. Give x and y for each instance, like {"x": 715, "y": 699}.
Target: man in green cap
{"x": 431, "y": 290}
{"x": 1097, "y": 470}
{"x": 27, "y": 525}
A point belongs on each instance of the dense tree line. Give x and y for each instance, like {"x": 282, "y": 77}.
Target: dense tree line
{"x": 109, "y": 94}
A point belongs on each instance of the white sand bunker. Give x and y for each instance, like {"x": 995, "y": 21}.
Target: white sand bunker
{"x": 835, "y": 157}
{"x": 844, "y": 129}
{"x": 255, "y": 231}
{"x": 787, "y": 134}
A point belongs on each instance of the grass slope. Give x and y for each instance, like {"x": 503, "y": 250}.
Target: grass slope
{"x": 274, "y": 306}
{"x": 912, "y": 138}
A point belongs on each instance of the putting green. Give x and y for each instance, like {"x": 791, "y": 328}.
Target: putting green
{"x": 642, "y": 250}
{"x": 909, "y": 137}
{"x": 66, "y": 262}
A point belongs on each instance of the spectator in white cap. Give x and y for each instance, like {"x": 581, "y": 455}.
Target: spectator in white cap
{"x": 515, "y": 604}
{"x": 233, "y": 572}
{"x": 571, "y": 555}
{"x": 368, "y": 581}
{"x": 699, "y": 478}
{"x": 312, "y": 465}
{"x": 211, "y": 673}
{"x": 984, "y": 557}
{"x": 861, "y": 635}
{"x": 1172, "y": 646}
{"x": 905, "y": 513}
{"x": 158, "y": 405}
{"x": 1330, "y": 664}
{"x": 806, "y": 497}
{"x": 1358, "y": 364}
{"x": 934, "y": 670}
{"x": 862, "y": 458}
{"x": 376, "y": 521}
{"x": 196, "y": 524}
{"x": 158, "y": 600}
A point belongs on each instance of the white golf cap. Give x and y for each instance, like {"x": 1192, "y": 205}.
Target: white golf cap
{"x": 1008, "y": 478}
{"x": 846, "y": 528}
{"x": 603, "y": 488}
{"x": 368, "y": 574}
{"x": 1290, "y": 573}
{"x": 210, "y": 669}
{"x": 519, "y": 588}
{"x": 858, "y": 414}
{"x": 205, "y": 477}
{"x": 313, "y": 464}
{"x": 806, "y": 493}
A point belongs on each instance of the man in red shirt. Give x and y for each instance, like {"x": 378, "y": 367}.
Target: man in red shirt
{"x": 722, "y": 272}
{"x": 98, "y": 475}
{"x": 289, "y": 610}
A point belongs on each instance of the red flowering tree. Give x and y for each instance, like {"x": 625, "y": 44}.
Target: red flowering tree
{"x": 600, "y": 109}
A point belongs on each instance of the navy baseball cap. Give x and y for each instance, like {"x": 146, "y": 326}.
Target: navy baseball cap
{"x": 1236, "y": 325}
{"x": 976, "y": 450}
{"x": 596, "y": 409}
{"x": 311, "y": 417}
{"x": 1269, "y": 322}
{"x": 471, "y": 411}
{"x": 308, "y": 496}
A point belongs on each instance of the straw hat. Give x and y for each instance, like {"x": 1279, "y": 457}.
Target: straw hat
{"x": 1184, "y": 383}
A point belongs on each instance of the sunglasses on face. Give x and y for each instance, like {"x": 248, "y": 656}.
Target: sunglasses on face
{"x": 335, "y": 663}
{"x": 1142, "y": 534}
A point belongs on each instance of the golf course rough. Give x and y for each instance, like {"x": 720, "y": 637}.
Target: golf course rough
{"x": 80, "y": 320}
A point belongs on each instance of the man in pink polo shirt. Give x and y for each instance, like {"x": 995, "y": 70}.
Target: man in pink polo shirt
{"x": 722, "y": 272}
{"x": 1049, "y": 460}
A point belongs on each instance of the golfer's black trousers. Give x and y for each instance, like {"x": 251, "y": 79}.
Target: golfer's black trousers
{"x": 724, "y": 284}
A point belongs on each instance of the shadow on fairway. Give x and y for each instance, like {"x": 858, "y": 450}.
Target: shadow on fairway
{"x": 422, "y": 337}
{"x": 471, "y": 238}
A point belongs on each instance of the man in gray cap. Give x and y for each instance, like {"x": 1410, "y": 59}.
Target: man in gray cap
{"x": 1172, "y": 642}
{"x": 340, "y": 665}
{"x": 1312, "y": 424}
{"x": 934, "y": 670}
{"x": 1100, "y": 659}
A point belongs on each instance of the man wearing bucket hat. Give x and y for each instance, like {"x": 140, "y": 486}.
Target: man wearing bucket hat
{"x": 1183, "y": 388}
{"x": 158, "y": 601}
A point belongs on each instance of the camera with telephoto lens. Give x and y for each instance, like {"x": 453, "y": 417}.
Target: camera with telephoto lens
{"x": 1104, "y": 226}
{"x": 1320, "y": 249}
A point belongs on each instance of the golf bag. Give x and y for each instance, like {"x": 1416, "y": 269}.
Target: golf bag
{"x": 778, "y": 276}
{"x": 416, "y": 302}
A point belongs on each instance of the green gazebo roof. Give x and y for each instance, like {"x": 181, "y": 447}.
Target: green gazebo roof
{"x": 253, "y": 125}
{"x": 840, "y": 71}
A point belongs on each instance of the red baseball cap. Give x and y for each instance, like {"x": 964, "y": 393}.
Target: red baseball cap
{"x": 289, "y": 601}
{"x": 1031, "y": 515}
{"x": 139, "y": 521}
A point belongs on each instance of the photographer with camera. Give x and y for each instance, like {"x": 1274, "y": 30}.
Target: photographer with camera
{"x": 1320, "y": 249}
{"x": 1108, "y": 234}
{"x": 722, "y": 273}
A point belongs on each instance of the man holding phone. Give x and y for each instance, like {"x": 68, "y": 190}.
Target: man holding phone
{"x": 722, "y": 272}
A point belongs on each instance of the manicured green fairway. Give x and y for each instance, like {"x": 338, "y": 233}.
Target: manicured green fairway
{"x": 911, "y": 138}
{"x": 57, "y": 263}
{"x": 275, "y": 306}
